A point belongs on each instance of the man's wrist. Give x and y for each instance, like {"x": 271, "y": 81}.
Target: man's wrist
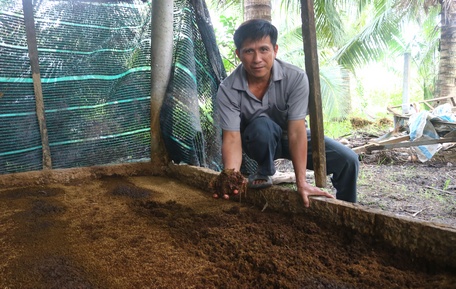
{"x": 301, "y": 185}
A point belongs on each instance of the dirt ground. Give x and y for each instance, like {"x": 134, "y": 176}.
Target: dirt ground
{"x": 154, "y": 232}
{"x": 390, "y": 181}
{"x": 395, "y": 181}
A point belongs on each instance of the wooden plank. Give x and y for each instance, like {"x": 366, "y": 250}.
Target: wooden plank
{"x": 400, "y": 142}
{"x": 35, "y": 66}
{"x": 392, "y": 140}
{"x": 365, "y": 148}
{"x": 410, "y": 144}
{"x": 430, "y": 103}
{"x": 315, "y": 103}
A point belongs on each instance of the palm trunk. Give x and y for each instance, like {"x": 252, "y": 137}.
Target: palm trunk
{"x": 257, "y": 9}
{"x": 446, "y": 84}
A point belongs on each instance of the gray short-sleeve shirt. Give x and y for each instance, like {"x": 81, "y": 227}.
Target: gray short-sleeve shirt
{"x": 287, "y": 98}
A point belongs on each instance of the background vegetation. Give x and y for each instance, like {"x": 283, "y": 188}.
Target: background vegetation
{"x": 362, "y": 45}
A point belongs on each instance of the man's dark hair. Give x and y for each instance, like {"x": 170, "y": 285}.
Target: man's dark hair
{"x": 254, "y": 29}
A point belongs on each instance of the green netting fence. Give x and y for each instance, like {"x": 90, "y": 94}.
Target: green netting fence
{"x": 94, "y": 59}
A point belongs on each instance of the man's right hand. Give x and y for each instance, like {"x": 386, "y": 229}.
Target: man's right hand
{"x": 228, "y": 183}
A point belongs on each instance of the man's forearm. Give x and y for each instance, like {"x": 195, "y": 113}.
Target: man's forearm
{"x": 299, "y": 160}
{"x": 297, "y": 139}
{"x": 231, "y": 158}
{"x": 232, "y": 150}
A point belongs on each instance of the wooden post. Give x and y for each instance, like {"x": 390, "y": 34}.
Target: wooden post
{"x": 315, "y": 103}
{"x": 161, "y": 62}
{"x": 34, "y": 63}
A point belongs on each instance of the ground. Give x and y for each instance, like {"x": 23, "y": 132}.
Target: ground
{"x": 155, "y": 232}
{"x": 395, "y": 181}
{"x": 390, "y": 181}
{"x": 419, "y": 191}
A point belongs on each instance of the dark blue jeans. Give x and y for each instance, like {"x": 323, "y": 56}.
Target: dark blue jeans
{"x": 262, "y": 141}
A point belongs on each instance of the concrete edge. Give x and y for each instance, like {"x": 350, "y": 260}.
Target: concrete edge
{"x": 81, "y": 174}
{"x": 431, "y": 241}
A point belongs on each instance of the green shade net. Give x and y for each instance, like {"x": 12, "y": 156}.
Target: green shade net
{"x": 94, "y": 59}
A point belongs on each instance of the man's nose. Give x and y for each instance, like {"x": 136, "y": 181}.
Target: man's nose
{"x": 256, "y": 57}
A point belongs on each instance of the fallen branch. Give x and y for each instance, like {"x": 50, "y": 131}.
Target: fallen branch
{"x": 439, "y": 190}
{"x": 266, "y": 204}
{"x": 416, "y": 213}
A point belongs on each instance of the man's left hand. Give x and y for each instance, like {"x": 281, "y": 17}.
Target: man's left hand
{"x": 307, "y": 190}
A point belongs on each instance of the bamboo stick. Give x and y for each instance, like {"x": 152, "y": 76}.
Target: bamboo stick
{"x": 34, "y": 63}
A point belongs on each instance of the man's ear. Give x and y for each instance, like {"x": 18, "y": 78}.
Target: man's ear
{"x": 237, "y": 54}
{"x": 276, "y": 48}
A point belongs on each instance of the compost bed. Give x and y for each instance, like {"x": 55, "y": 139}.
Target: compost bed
{"x": 156, "y": 232}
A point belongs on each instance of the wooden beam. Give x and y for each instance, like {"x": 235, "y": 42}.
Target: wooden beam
{"x": 383, "y": 141}
{"x": 401, "y": 142}
{"x": 315, "y": 103}
{"x": 34, "y": 63}
{"x": 410, "y": 144}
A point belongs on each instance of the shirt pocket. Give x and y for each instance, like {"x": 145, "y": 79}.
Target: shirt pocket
{"x": 279, "y": 114}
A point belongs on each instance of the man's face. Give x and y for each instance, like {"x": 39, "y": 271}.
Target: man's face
{"x": 258, "y": 57}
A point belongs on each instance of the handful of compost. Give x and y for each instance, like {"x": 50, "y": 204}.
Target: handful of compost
{"x": 228, "y": 183}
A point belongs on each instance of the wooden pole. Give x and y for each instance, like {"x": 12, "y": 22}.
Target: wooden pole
{"x": 315, "y": 104}
{"x": 34, "y": 63}
{"x": 161, "y": 62}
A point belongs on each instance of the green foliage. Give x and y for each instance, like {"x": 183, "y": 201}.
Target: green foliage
{"x": 228, "y": 16}
{"x": 337, "y": 129}
{"x": 224, "y": 35}
{"x": 447, "y": 184}
{"x": 335, "y": 92}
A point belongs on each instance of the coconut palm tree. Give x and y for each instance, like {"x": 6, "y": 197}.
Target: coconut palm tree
{"x": 382, "y": 32}
{"x": 381, "y": 35}
{"x": 447, "y": 70}
{"x": 257, "y": 9}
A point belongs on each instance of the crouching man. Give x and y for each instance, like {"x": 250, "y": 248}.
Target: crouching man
{"x": 262, "y": 107}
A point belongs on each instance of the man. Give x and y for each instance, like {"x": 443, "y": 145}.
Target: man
{"x": 262, "y": 107}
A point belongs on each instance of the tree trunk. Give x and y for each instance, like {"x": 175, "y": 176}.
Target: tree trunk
{"x": 446, "y": 84}
{"x": 257, "y": 9}
{"x": 406, "y": 85}
{"x": 161, "y": 63}
{"x": 347, "y": 103}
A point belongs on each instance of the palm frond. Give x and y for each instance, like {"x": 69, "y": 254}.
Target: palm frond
{"x": 334, "y": 91}
{"x": 373, "y": 40}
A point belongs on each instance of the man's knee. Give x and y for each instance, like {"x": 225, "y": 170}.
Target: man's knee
{"x": 353, "y": 159}
{"x": 261, "y": 130}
